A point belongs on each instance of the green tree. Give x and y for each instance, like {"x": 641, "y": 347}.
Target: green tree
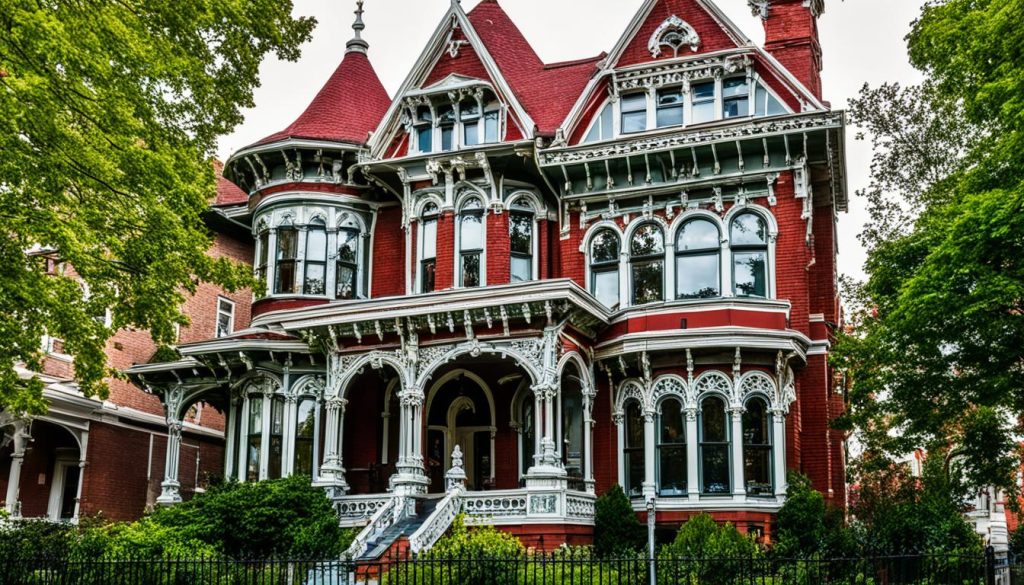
{"x": 806, "y": 526}
{"x": 616, "y": 528}
{"x": 108, "y": 115}
{"x": 935, "y": 357}
{"x": 704, "y": 552}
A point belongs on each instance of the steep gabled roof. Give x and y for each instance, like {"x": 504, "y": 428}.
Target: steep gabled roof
{"x": 348, "y": 107}
{"x": 546, "y": 91}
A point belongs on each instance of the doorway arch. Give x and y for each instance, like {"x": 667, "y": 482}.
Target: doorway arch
{"x": 460, "y": 411}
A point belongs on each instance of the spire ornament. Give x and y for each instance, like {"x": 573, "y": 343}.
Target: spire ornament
{"x": 357, "y": 44}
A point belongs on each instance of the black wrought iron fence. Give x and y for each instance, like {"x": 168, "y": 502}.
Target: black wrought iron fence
{"x": 565, "y": 567}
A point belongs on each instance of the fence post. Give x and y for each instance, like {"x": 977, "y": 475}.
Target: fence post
{"x": 651, "y": 519}
{"x": 990, "y": 565}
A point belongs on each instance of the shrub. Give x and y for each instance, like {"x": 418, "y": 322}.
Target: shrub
{"x": 704, "y": 552}
{"x": 806, "y": 526}
{"x": 616, "y": 528}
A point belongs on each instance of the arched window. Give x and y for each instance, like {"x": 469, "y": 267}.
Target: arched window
{"x": 305, "y": 432}
{"x": 672, "y": 449}
{"x": 698, "y": 260}
{"x": 633, "y": 452}
{"x": 647, "y": 264}
{"x": 604, "y": 267}
{"x": 287, "y": 246}
{"x": 757, "y": 448}
{"x": 748, "y": 236}
{"x": 276, "y": 444}
{"x": 263, "y": 258}
{"x": 471, "y": 242}
{"x": 347, "y": 262}
{"x": 316, "y": 258}
{"x": 254, "y": 443}
{"x": 520, "y": 233}
{"x": 428, "y": 247}
{"x": 601, "y": 129}
{"x": 714, "y": 446}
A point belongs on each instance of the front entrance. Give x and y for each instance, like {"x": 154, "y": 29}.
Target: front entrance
{"x": 461, "y": 412}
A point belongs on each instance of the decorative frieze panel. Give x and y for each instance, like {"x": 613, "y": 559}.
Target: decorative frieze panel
{"x": 495, "y": 505}
{"x": 681, "y": 73}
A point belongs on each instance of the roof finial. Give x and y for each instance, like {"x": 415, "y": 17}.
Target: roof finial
{"x": 357, "y": 44}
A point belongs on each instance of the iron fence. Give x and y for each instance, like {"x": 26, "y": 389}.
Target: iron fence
{"x": 564, "y": 567}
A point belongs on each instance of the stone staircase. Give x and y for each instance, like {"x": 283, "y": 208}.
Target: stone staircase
{"x": 392, "y": 538}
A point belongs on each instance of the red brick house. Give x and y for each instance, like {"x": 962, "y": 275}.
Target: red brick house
{"x": 90, "y": 457}
{"x": 516, "y": 283}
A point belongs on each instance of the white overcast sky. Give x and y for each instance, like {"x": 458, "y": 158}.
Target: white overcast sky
{"x": 862, "y": 41}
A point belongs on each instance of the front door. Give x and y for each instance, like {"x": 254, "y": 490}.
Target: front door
{"x": 459, "y": 414}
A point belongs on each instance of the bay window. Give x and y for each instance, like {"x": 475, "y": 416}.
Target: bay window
{"x": 647, "y": 264}
{"x": 671, "y": 454}
{"x": 254, "y": 438}
{"x": 757, "y": 448}
{"x": 347, "y": 264}
{"x": 276, "y": 442}
{"x": 698, "y": 256}
{"x": 633, "y": 451}
{"x": 604, "y": 267}
{"x": 315, "y": 262}
{"x": 714, "y": 446}
{"x": 287, "y": 247}
{"x": 263, "y": 258}
{"x": 520, "y": 232}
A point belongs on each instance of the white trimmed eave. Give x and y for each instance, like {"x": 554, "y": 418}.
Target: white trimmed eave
{"x": 235, "y": 345}
{"x": 156, "y": 368}
{"x": 383, "y": 135}
{"x": 293, "y": 143}
{"x": 452, "y": 300}
{"x": 704, "y": 306}
{"x": 705, "y": 337}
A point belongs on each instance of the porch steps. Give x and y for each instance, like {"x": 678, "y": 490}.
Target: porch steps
{"x": 377, "y": 547}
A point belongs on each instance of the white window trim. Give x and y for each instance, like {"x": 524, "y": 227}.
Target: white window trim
{"x": 231, "y": 322}
{"x": 420, "y": 220}
{"x": 585, "y": 249}
{"x": 60, "y": 471}
{"x": 538, "y": 210}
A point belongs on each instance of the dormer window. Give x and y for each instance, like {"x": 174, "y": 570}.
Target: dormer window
{"x": 444, "y": 126}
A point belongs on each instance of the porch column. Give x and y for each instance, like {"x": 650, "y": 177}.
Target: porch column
{"x": 332, "y": 473}
{"x": 739, "y": 490}
{"x": 779, "y": 453}
{"x": 410, "y": 478}
{"x": 588, "y": 446}
{"x": 170, "y": 489}
{"x": 692, "y": 456}
{"x": 649, "y": 486}
{"x": 20, "y": 438}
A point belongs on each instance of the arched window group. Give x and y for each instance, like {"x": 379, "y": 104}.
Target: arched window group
{"x": 313, "y": 259}
{"x": 710, "y": 448}
{"x": 270, "y": 435}
{"x": 699, "y": 249}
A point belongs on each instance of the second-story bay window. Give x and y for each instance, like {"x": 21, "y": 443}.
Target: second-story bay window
{"x": 347, "y": 264}
{"x": 520, "y": 233}
{"x": 263, "y": 257}
{"x": 647, "y": 264}
{"x": 634, "y": 113}
{"x": 702, "y": 96}
{"x": 735, "y": 97}
{"x": 315, "y": 261}
{"x": 471, "y": 242}
{"x": 428, "y": 247}
{"x": 604, "y": 267}
{"x": 287, "y": 246}
{"x": 670, "y": 107}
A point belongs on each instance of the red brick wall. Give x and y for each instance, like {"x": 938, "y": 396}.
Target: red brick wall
{"x": 444, "y": 277}
{"x": 712, "y": 36}
{"x": 388, "y": 254}
{"x": 791, "y": 36}
{"x": 498, "y": 253}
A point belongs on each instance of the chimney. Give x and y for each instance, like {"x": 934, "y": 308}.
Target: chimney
{"x": 791, "y": 36}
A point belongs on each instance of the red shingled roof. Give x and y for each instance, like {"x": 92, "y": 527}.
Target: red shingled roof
{"x": 547, "y": 92}
{"x": 348, "y": 107}
{"x": 227, "y": 192}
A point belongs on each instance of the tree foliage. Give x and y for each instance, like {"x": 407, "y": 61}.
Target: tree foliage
{"x": 806, "y": 526}
{"x": 108, "y": 115}
{"x": 616, "y": 528}
{"x": 935, "y": 356}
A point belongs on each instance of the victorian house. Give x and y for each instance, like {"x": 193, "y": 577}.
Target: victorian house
{"x": 515, "y": 284}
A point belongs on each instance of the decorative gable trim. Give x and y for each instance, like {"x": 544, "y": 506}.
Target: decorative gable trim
{"x": 438, "y": 46}
{"x": 673, "y": 33}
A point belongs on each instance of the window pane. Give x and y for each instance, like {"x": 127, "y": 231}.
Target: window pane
{"x": 757, "y": 463}
{"x": 647, "y": 240}
{"x": 348, "y": 246}
{"x": 255, "y": 437}
{"x": 697, "y": 276}
{"x": 713, "y": 421}
{"x": 469, "y": 110}
{"x": 447, "y": 136}
{"x": 697, "y": 234}
{"x": 346, "y": 277}
{"x": 750, "y": 275}
{"x": 315, "y": 277}
{"x": 423, "y": 114}
{"x": 634, "y": 122}
{"x": 755, "y": 423}
{"x": 775, "y": 107}
{"x": 647, "y": 282}
{"x": 703, "y": 91}
{"x": 606, "y": 122}
{"x": 429, "y": 239}
{"x": 672, "y": 422}
{"x": 429, "y": 266}
{"x": 634, "y": 449}
{"x": 304, "y": 434}
{"x": 572, "y": 432}
{"x": 594, "y": 135}
{"x": 704, "y": 112}
{"x": 634, "y": 102}
{"x": 670, "y": 97}
{"x": 264, "y": 248}
{"x": 605, "y": 287}
{"x": 634, "y": 425}
{"x": 634, "y": 473}
{"x": 527, "y": 435}
{"x": 735, "y": 108}
{"x": 748, "y": 229}
{"x": 491, "y": 126}
{"x": 316, "y": 245}
{"x": 446, "y": 115}
{"x": 737, "y": 86}
{"x": 672, "y": 471}
{"x": 471, "y": 270}
{"x": 471, "y": 133}
{"x": 276, "y": 443}
{"x": 715, "y": 468}
{"x": 522, "y": 269}
{"x": 286, "y": 244}
{"x": 521, "y": 233}
{"x": 425, "y": 138}
{"x": 604, "y": 247}
{"x": 760, "y": 100}
{"x": 285, "y": 276}
{"x": 471, "y": 231}
{"x": 672, "y": 116}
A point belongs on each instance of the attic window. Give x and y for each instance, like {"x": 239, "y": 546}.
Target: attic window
{"x": 675, "y": 33}
{"x": 444, "y": 126}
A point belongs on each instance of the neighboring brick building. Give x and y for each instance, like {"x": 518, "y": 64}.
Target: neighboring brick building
{"x": 516, "y": 284}
{"x": 90, "y": 457}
